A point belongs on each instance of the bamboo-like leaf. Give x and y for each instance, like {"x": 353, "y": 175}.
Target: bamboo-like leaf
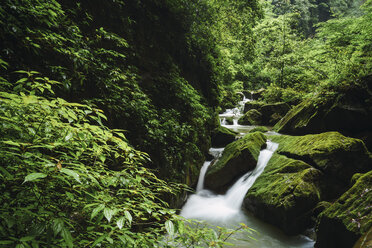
{"x": 108, "y": 213}
{"x": 97, "y": 210}
{"x": 128, "y": 216}
{"x": 120, "y": 222}
{"x": 169, "y": 226}
{"x": 34, "y": 176}
{"x": 66, "y": 235}
{"x": 72, "y": 173}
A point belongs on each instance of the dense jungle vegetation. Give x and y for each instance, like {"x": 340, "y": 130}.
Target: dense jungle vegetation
{"x": 107, "y": 107}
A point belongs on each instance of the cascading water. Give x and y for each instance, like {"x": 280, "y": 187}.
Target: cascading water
{"x": 225, "y": 210}
{"x": 221, "y": 208}
{"x": 235, "y": 114}
{"x": 216, "y": 153}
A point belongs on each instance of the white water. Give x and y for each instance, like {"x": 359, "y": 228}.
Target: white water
{"x": 203, "y": 170}
{"x": 235, "y": 113}
{"x": 225, "y": 210}
{"x": 204, "y": 205}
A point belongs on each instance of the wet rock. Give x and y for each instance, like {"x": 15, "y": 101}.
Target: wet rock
{"x": 272, "y": 113}
{"x": 262, "y": 129}
{"x": 350, "y": 113}
{"x": 331, "y": 152}
{"x": 238, "y": 158}
{"x": 229, "y": 120}
{"x": 285, "y": 194}
{"x": 256, "y": 95}
{"x": 350, "y": 217}
{"x": 304, "y": 171}
{"x": 222, "y": 136}
{"x": 252, "y": 117}
{"x": 252, "y": 105}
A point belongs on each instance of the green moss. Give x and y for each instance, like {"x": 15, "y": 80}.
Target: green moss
{"x": 285, "y": 193}
{"x": 354, "y": 207}
{"x": 252, "y": 105}
{"x": 284, "y": 181}
{"x": 298, "y": 119}
{"x": 330, "y": 152}
{"x": 253, "y": 142}
{"x": 262, "y": 129}
{"x": 252, "y": 117}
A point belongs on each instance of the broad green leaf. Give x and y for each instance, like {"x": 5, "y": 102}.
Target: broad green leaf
{"x": 66, "y": 235}
{"x": 120, "y": 222}
{"x": 71, "y": 173}
{"x": 97, "y": 210}
{"x": 26, "y": 238}
{"x": 99, "y": 240}
{"x": 57, "y": 226}
{"x": 34, "y": 176}
{"x": 102, "y": 158}
{"x": 10, "y": 142}
{"x": 128, "y": 216}
{"x": 68, "y": 136}
{"x": 6, "y": 242}
{"x": 108, "y": 213}
{"x": 169, "y": 227}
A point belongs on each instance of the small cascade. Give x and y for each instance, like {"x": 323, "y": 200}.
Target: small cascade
{"x": 216, "y": 153}
{"x": 203, "y": 170}
{"x": 235, "y": 195}
{"x": 235, "y": 114}
{"x": 205, "y": 205}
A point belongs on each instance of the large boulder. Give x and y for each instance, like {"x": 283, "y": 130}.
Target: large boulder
{"x": 304, "y": 171}
{"x": 222, "y": 136}
{"x": 346, "y": 220}
{"x": 349, "y": 112}
{"x": 272, "y": 113}
{"x": 285, "y": 194}
{"x": 237, "y": 159}
{"x": 334, "y": 154}
{"x": 252, "y": 117}
{"x": 252, "y": 105}
{"x": 256, "y": 95}
{"x": 259, "y": 113}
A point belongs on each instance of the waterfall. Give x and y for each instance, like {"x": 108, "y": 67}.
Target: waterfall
{"x": 203, "y": 170}
{"x": 235, "y": 195}
{"x": 205, "y": 205}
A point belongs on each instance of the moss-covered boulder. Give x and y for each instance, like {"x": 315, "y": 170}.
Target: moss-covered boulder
{"x": 285, "y": 194}
{"x": 349, "y": 112}
{"x": 365, "y": 240}
{"x": 262, "y": 129}
{"x": 252, "y": 105}
{"x": 238, "y": 158}
{"x": 229, "y": 120}
{"x": 272, "y": 113}
{"x": 302, "y": 119}
{"x": 346, "y": 220}
{"x": 252, "y": 117}
{"x": 338, "y": 156}
{"x": 222, "y": 136}
{"x": 256, "y": 95}
{"x": 269, "y": 114}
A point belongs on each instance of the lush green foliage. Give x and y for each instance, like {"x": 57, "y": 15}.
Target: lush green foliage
{"x": 291, "y": 66}
{"x": 67, "y": 180}
{"x": 154, "y": 67}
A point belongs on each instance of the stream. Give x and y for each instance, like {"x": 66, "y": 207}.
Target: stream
{"x": 226, "y": 210}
